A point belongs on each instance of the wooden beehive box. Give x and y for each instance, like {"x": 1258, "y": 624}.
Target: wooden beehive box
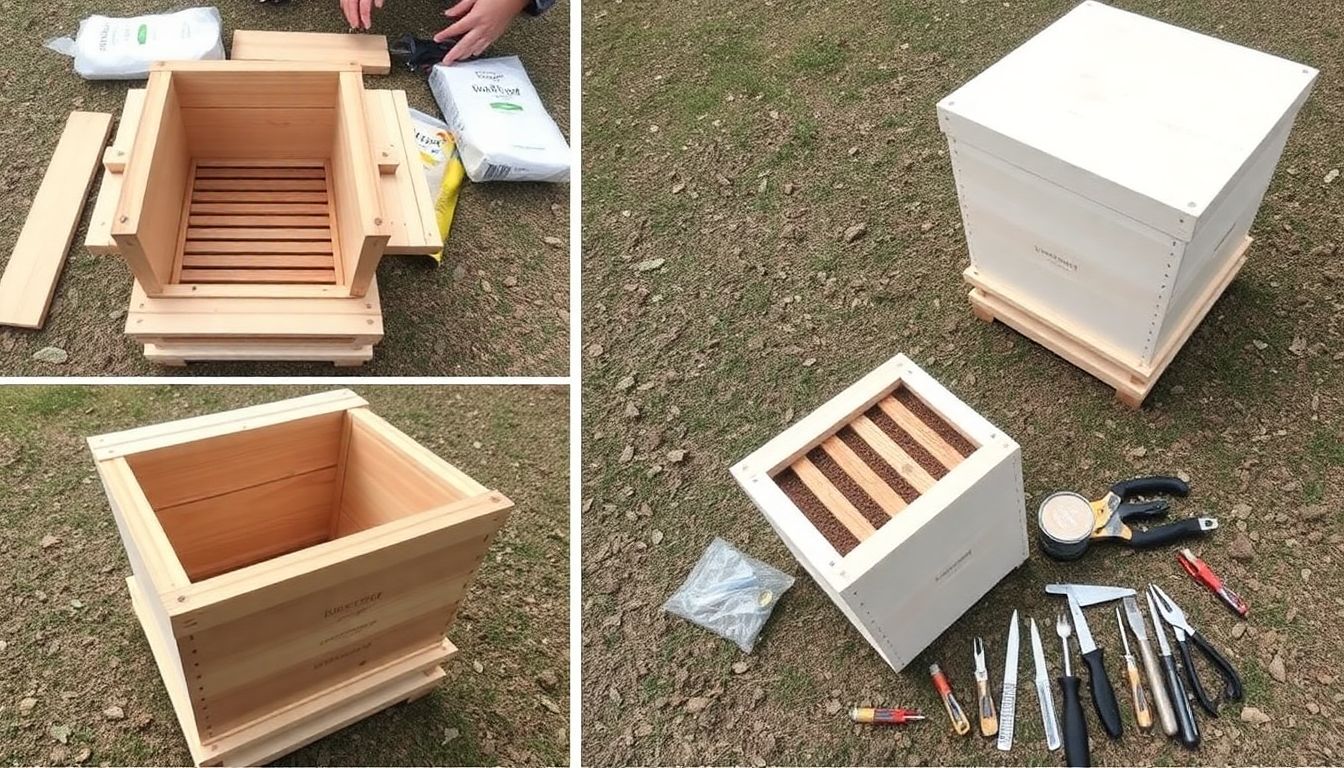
{"x": 1108, "y": 171}
{"x": 295, "y": 566}
{"x": 901, "y": 502}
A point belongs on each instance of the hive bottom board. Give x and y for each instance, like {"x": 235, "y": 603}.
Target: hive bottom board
{"x": 306, "y": 721}
{"x": 1132, "y": 384}
{"x": 177, "y": 330}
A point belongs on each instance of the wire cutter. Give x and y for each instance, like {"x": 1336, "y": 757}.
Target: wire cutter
{"x": 1174, "y": 616}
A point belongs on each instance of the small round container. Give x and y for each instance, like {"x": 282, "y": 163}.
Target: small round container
{"x": 1065, "y": 521}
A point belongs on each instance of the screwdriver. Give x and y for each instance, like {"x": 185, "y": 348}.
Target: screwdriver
{"x": 884, "y": 715}
{"x": 1142, "y": 714}
{"x": 959, "y": 722}
{"x": 1201, "y": 572}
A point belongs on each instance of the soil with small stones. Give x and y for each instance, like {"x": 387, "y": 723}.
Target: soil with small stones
{"x": 497, "y": 305}
{"x": 730, "y": 154}
{"x": 78, "y": 683}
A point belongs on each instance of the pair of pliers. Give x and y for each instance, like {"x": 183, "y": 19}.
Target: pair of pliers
{"x": 1185, "y": 634}
{"x": 421, "y": 54}
{"x": 1111, "y": 512}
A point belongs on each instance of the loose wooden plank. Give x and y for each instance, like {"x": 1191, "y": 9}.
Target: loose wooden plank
{"x": 258, "y": 276}
{"x": 259, "y": 221}
{"x": 835, "y": 501}
{"x": 923, "y": 434}
{"x": 257, "y": 246}
{"x": 262, "y": 185}
{"x": 369, "y": 51}
{"x": 259, "y": 233}
{"x": 257, "y": 261}
{"x": 259, "y": 197}
{"x": 248, "y": 209}
{"x": 894, "y": 455}
{"x": 888, "y": 499}
{"x": 30, "y": 277}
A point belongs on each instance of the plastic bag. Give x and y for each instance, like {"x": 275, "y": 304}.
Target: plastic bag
{"x": 730, "y": 594}
{"x": 107, "y": 48}
{"x": 443, "y": 168}
{"x": 503, "y": 131}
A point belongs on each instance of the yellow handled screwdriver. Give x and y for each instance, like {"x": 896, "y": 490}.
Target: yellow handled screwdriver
{"x": 1143, "y": 715}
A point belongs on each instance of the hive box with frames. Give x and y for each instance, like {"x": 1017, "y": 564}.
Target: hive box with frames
{"x": 295, "y": 566}
{"x": 1109, "y": 170}
{"x": 902, "y": 503}
{"x": 254, "y": 200}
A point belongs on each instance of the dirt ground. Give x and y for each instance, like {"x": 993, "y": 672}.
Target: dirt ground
{"x": 497, "y": 305}
{"x": 71, "y": 649}
{"x": 728, "y": 149}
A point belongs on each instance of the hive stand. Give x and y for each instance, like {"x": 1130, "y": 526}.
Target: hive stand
{"x": 253, "y": 201}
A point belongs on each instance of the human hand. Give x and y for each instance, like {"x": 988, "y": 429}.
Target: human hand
{"x": 360, "y": 12}
{"x": 479, "y": 23}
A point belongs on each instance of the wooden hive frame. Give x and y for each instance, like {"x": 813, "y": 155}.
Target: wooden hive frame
{"x": 900, "y": 501}
{"x": 295, "y": 566}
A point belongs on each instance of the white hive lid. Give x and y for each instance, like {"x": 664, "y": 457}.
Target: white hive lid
{"x": 1115, "y": 105}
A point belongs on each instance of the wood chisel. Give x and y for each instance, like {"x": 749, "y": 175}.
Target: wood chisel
{"x": 1008, "y": 704}
{"x": 1103, "y": 694}
{"x": 1143, "y": 715}
{"x": 984, "y": 697}
{"x": 1187, "y": 728}
{"x": 1161, "y": 701}
{"x": 1043, "y": 691}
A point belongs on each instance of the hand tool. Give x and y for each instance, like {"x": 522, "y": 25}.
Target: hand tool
{"x": 884, "y": 715}
{"x": 1068, "y": 521}
{"x": 1143, "y": 716}
{"x": 1201, "y": 572}
{"x": 1043, "y": 691}
{"x": 1076, "y": 752}
{"x": 1008, "y": 705}
{"x": 1161, "y": 701}
{"x": 984, "y": 698}
{"x": 1173, "y": 615}
{"x": 1186, "y": 726}
{"x": 421, "y": 54}
{"x": 954, "y": 711}
{"x": 1103, "y": 694}
{"x": 1090, "y": 594}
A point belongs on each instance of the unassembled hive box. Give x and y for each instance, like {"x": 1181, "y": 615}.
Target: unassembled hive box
{"x": 1109, "y": 170}
{"x": 902, "y": 503}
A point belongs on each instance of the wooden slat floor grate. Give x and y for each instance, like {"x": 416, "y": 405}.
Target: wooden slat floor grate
{"x": 857, "y": 479}
{"x": 262, "y": 223}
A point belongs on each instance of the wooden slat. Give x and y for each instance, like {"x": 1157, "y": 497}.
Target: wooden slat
{"x": 258, "y": 261}
{"x": 369, "y": 51}
{"x": 922, "y": 433}
{"x": 258, "y": 276}
{"x": 247, "y": 209}
{"x": 888, "y": 499}
{"x": 259, "y": 233}
{"x": 228, "y": 172}
{"x": 234, "y": 162}
{"x": 833, "y": 499}
{"x": 259, "y": 221}
{"x": 260, "y": 197}
{"x": 35, "y": 265}
{"x": 257, "y": 246}
{"x": 262, "y": 185}
{"x": 893, "y": 454}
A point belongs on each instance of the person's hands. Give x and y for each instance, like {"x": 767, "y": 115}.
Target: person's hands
{"x": 360, "y": 12}
{"x": 478, "y": 24}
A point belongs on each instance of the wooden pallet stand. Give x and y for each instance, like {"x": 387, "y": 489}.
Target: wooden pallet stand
{"x": 295, "y": 566}
{"x": 1108, "y": 172}
{"x": 235, "y": 184}
{"x": 901, "y": 502}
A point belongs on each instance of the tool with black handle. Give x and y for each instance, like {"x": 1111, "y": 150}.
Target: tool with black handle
{"x": 1186, "y": 727}
{"x": 1103, "y": 694}
{"x": 1068, "y": 521}
{"x": 1076, "y": 752}
{"x": 1185, "y": 634}
{"x": 1161, "y": 701}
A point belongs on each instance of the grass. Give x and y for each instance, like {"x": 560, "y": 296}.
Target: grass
{"x": 439, "y": 320}
{"x": 836, "y": 100}
{"x": 75, "y": 661}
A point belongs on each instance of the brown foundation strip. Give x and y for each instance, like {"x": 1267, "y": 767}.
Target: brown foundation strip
{"x": 830, "y": 496}
{"x": 926, "y": 415}
{"x": 816, "y": 512}
{"x": 851, "y": 488}
{"x": 882, "y": 469}
{"x": 893, "y": 452}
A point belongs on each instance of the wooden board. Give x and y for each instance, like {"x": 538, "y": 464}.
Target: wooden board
{"x": 369, "y": 51}
{"x": 408, "y": 205}
{"x": 34, "y": 266}
{"x": 98, "y": 240}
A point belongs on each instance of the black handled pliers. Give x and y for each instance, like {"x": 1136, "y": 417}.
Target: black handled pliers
{"x": 1185, "y": 634}
{"x": 1111, "y": 512}
{"x": 420, "y": 54}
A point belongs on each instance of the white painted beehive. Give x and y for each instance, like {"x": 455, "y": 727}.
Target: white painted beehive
{"x": 1109, "y": 170}
{"x": 903, "y": 504}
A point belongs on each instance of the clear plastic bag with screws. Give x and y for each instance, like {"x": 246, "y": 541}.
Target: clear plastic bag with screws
{"x": 730, "y": 594}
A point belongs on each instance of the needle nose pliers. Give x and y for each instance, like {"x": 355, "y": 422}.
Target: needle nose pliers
{"x": 1185, "y": 634}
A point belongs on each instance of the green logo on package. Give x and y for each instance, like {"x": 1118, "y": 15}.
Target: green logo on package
{"x": 142, "y": 34}
{"x": 504, "y": 106}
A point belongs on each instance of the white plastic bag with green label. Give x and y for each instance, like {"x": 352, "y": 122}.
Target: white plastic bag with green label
{"x": 503, "y": 132}
{"x": 107, "y": 48}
